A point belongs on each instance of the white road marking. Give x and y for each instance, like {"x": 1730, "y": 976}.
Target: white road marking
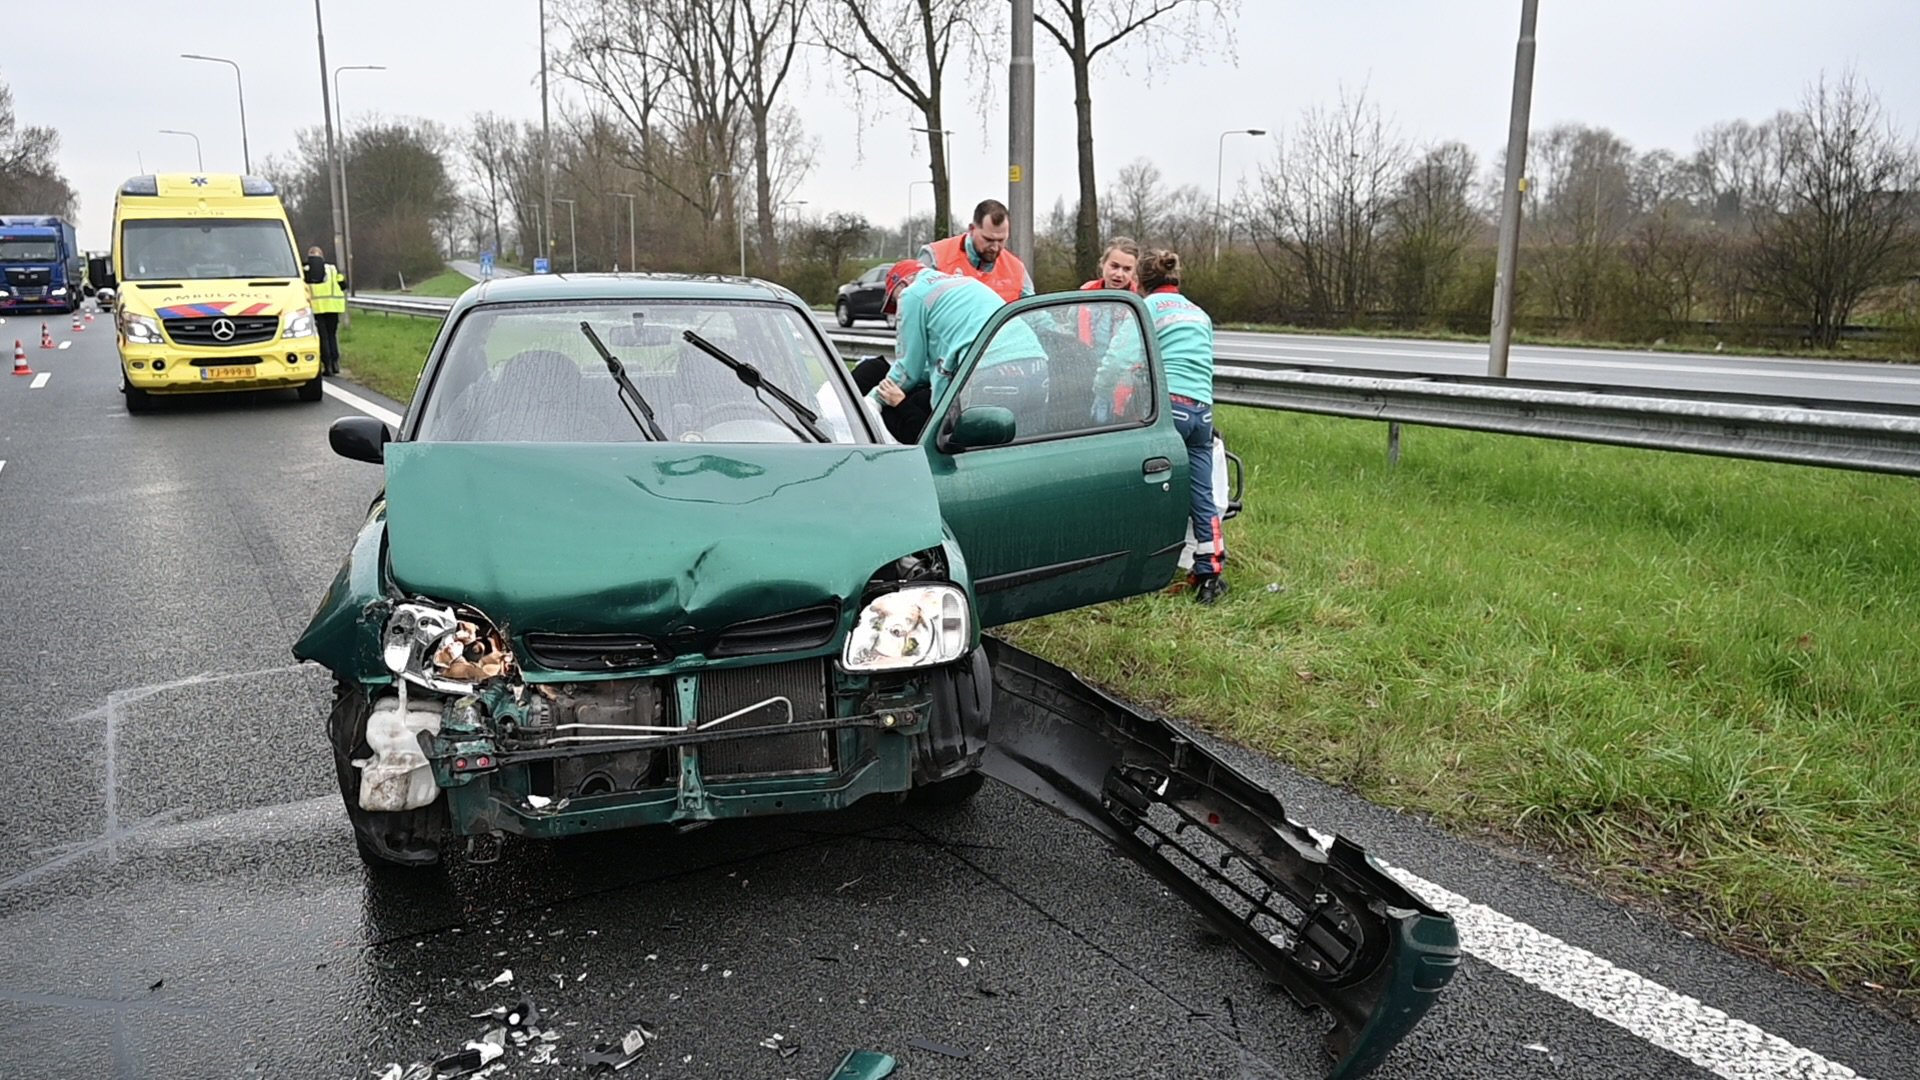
{"x": 3, "y": 463}
{"x": 355, "y": 401}
{"x": 66, "y": 345}
{"x": 40, "y": 380}
{"x": 1670, "y": 1020}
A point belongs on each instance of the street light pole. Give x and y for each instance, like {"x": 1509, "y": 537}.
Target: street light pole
{"x": 633, "y": 243}
{"x": 246, "y": 155}
{"x": 346, "y": 203}
{"x": 1020, "y": 133}
{"x": 1501, "y": 333}
{"x": 200, "y": 162}
{"x": 573, "y": 236}
{"x": 1219, "y": 161}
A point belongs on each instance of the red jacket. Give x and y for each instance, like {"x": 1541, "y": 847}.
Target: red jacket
{"x": 1008, "y": 276}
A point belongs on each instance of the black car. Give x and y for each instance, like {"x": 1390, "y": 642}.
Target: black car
{"x": 862, "y": 297}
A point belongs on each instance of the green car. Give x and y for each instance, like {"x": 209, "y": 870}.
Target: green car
{"x": 645, "y": 556}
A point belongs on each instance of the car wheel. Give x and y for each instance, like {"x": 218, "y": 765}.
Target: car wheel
{"x": 408, "y": 838}
{"x": 843, "y": 314}
{"x": 138, "y": 400}
{"x": 311, "y": 390}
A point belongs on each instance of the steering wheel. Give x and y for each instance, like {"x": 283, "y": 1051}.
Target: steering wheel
{"x": 722, "y": 411}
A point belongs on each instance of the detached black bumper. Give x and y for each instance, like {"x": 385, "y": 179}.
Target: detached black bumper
{"x": 1321, "y": 920}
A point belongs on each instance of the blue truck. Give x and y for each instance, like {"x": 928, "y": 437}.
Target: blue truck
{"x": 41, "y": 267}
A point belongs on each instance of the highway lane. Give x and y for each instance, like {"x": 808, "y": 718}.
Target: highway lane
{"x": 179, "y": 894}
{"x": 1870, "y": 383}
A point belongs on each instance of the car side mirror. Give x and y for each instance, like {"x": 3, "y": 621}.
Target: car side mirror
{"x": 980, "y": 426}
{"x": 361, "y": 438}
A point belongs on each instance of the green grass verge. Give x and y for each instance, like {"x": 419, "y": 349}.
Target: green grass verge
{"x": 385, "y": 352}
{"x": 444, "y": 283}
{"x": 1698, "y": 677}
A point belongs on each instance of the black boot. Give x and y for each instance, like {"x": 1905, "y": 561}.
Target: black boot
{"x": 1208, "y": 588}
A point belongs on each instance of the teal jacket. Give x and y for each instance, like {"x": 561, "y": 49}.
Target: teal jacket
{"x": 940, "y": 316}
{"x": 1186, "y": 343}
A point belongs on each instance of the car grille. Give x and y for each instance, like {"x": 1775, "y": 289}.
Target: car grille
{"x": 23, "y": 277}
{"x": 804, "y": 683}
{"x": 200, "y": 331}
{"x": 793, "y": 631}
{"x": 594, "y": 652}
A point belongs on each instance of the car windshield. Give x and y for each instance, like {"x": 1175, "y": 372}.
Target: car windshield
{"x": 28, "y": 249}
{"x": 526, "y": 373}
{"x": 193, "y": 250}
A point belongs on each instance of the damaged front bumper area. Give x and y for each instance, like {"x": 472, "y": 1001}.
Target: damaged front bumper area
{"x": 1321, "y": 919}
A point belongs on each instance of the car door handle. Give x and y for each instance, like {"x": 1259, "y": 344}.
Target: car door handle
{"x": 1154, "y": 466}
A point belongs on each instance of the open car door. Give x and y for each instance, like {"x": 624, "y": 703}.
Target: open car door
{"x": 1055, "y": 457}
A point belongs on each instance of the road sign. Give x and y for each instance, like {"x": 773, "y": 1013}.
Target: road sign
{"x": 486, "y": 266}
{"x": 541, "y": 266}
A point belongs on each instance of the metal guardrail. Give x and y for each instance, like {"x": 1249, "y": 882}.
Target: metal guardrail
{"x": 1828, "y": 434}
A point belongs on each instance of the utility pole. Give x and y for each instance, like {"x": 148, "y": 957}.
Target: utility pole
{"x": 546, "y": 147}
{"x": 1020, "y": 133}
{"x": 1510, "y": 196}
{"x": 326, "y": 111}
{"x": 633, "y": 243}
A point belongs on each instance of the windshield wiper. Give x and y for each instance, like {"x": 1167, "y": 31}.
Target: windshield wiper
{"x": 629, "y": 395}
{"x": 751, "y": 376}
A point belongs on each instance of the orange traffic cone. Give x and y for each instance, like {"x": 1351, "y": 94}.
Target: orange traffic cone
{"x": 89, "y": 316}
{"x": 77, "y": 328}
{"x": 20, "y": 358}
{"x": 46, "y": 337}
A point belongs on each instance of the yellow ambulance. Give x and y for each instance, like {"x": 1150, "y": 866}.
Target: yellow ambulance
{"x": 208, "y": 289}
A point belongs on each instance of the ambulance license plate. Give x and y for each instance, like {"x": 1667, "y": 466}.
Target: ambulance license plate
{"x": 227, "y": 371}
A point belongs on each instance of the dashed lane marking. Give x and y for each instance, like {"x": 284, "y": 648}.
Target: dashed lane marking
{"x": 1675, "y": 1022}
{"x": 355, "y": 401}
{"x": 40, "y": 380}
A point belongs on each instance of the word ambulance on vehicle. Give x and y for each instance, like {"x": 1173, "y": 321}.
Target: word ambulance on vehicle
{"x": 209, "y": 292}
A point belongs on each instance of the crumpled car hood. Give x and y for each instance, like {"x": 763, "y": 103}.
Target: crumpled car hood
{"x": 650, "y": 538}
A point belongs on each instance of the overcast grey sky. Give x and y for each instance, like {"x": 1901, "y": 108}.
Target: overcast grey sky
{"x": 1655, "y": 71}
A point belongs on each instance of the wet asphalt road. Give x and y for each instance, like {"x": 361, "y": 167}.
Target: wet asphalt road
{"x": 180, "y": 897}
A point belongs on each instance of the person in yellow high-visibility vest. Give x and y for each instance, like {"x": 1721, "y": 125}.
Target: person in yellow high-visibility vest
{"x": 328, "y": 287}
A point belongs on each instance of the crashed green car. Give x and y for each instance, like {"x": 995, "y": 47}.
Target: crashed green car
{"x": 644, "y": 556}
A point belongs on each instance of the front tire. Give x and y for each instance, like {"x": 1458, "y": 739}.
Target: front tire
{"x": 843, "y": 313}
{"x": 138, "y": 400}
{"x": 408, "y": 839}
{"x": 311, "y": 391}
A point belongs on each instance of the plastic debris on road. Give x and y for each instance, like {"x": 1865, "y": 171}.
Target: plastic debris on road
{"x": 940, "y": 1048}
{"x": 863, "y": 1065}
{"x": 617, "y": 1056}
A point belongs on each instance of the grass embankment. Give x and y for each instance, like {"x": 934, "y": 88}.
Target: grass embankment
{"x": 1699, "y": 678}
{"x": 385, "y": 352}
{"x": 444, "y": 283}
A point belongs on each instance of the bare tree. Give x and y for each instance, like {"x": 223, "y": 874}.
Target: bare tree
{"x": 1320, "y": 210}
{"x": 837, "y": 236}
{"x": 30, "y": 181}
{"x": 490, "y": 142}
{"x": 1430, "y": 221}
{"x": 1839, "y": 221}
{"x": 1580, "y": 206}
{"x": 1137, "y": 201}
{"x": 769, "y": 33}
{"x": 1086, "y": 28}
{"x": 907, "y": 46}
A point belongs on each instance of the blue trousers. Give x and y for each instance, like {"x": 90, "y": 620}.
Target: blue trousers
{"x": 1194, "y": 422}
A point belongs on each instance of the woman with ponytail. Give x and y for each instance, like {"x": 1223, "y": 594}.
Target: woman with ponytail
{"x": 1186, "y": 347}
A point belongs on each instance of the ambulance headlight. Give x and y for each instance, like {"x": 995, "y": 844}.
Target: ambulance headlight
{"x": 299, "y": 324}
{"x": 908, "y": 628}
{"x": 140, "y": 330}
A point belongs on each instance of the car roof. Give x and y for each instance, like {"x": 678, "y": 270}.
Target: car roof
{"x": 531, "y": 288}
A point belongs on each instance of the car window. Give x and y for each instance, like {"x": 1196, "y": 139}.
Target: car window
{"x": 1066, "y": 369}
{"x": 874, "y": 274}
{"x": 526, "y": 373}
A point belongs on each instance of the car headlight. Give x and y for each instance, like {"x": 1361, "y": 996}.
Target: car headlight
{"x": 61, "y": 291}
{"x": 141, "y": 330}
{"x": 436, "y": 647}
{"x": 908, "y": 628}
{"x": 299, "y": 324}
